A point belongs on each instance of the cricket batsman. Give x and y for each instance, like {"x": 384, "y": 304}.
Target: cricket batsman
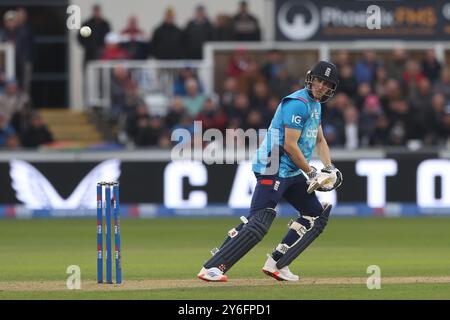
{"x": 281, "y": 166}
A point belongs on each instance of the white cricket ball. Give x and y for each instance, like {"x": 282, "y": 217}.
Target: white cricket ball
{"x": 85, "y": 31}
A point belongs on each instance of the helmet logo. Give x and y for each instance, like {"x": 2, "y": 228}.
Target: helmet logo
{"x": 327, "y": 72}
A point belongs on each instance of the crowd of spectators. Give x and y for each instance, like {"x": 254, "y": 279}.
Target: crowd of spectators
{"x": 380, "y": 101}
{"x": 398, "y": 101}
{"x": 168, "y": 40}
{"x": 395, "y": 98}
{"x": 389, "y": 99}
{"x": 20, "y": 125}
{"x": 16, "y": 31}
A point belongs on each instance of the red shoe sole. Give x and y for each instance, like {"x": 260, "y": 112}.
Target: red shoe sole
{"x": 273, "y": 275}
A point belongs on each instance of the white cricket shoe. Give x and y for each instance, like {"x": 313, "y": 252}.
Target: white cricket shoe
{"x": 212, "y": 275}
{"x": 283, "y": 274}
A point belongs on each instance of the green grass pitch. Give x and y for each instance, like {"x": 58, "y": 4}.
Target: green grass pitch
{"x": 161, "y": 258}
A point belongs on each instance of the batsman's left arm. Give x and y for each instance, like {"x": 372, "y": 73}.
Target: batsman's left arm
{"x": 324, "y": 154}
{"x": 322, "y": 148}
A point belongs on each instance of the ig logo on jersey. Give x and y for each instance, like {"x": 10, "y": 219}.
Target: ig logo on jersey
{"x": 296, "y": 119}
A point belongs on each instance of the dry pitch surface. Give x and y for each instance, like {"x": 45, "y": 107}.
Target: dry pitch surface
{"x": 194, "y": 283}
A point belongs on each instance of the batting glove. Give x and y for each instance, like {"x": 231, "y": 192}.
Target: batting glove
{"x": 339, "y": 178}
{"x": 312, "y": 174}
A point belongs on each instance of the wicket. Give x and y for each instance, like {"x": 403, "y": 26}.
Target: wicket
{"x": 111, "y": 191}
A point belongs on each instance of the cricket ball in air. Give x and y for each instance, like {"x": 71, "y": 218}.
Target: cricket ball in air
{"x": 85, "y": 31}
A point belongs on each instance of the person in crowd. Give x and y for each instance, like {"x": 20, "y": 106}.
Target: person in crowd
{"x": 398, "y": 134}
{"x": 411, "y": 78}
{"x": 245, "y": 25}
{"x": 254, "y": 120}
{"x": 186, "y": 123}
{"x": 12, "y": 142}
{"x": 342, "y": 58}
{"x": 282, "y": 84}
{"x": 24, "y": 50}
{"x": 393, "y": 92}
{"x": 396, "y": 64}
{"x": 37, "y": 133}
{"x": 14, "y": 101}
{"x": 244, "y": 68}
{"x": 197, "y": 32}
{"x": 445, "y": 140}
{"x": 381, "y": 132}
{"x": 442, "y": 85}
{"x": 133, "y": 119}
{"x": 259, "y": 96}
{"x": 113, "y": 49}
{"x": 211, "y": 116}
{"x": 176, "y": 112}
{"x": 6, "y": 131}
{"x": 363, "y": 91}
{"x": 93, "y": 45}
{"x": 2, "y": 80}
{"x": 431, "y": 67}
{"x": 239, "y": 63}
{"x": 275, "y": 62}
{"x": 403, "y": 122}
{"x": 164, "y": 141}
{"x": 229, "y": 93}
{"x": 370, "y": 113}
{"x": 222, "y": 29}
{"x": 432, "y": 123}
{"x": 167, "y": 39}
{"x": 422, "y": 97}
{"x": 379, "y": 86}
{"x": 120, "y": 82}
{"x": 272, "y": 105}
{"x": 133, "y": 40}
{"x": 194, "y": 99}
{"x": 17, "y": 33}
{"x": 179, "y": 85}
{"x": 351, "y": 128}
{"x": 365, "y": 68}
{"x": 149, "y": 130}
{"x": 330, "y": 132}
{"x": 335, "y": 112}
{"x": 9, "y": 30}
{"x": 238, "y": 112}
{"x": 133, "y": 98}
{"x": 347, "y": 82}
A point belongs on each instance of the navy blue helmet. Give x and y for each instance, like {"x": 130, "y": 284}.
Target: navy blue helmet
{"x": 326, "y": 71}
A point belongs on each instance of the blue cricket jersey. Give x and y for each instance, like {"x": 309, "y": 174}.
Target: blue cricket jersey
{"x": 298, "y": 111}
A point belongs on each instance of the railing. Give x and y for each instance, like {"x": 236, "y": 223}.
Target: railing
{"x": 8, "y": 51}
{"x": 297, "y": 59}
{"x": 154, "y": 78}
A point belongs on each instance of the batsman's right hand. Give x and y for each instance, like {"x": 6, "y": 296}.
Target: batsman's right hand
{"x": 312, "y": 174}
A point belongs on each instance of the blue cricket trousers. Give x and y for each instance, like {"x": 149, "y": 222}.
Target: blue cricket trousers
{"x": 270, "y": 189}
